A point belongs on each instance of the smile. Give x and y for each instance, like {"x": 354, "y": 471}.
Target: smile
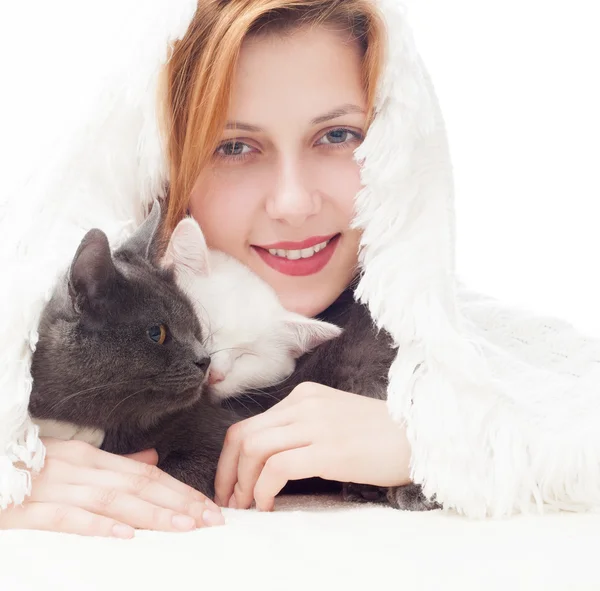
{"x": 307, "y": 258}
{"x": 305, "y": 253}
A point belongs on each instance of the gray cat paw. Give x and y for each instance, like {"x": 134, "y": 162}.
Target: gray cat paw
{"x": 363, "y": 493}
{"x": 407, "y": 498}
{"x": 410, "y": 498}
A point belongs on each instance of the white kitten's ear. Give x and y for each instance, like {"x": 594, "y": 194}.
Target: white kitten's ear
{"x": 304, "y": 334}
{"x": 187, "y": 249}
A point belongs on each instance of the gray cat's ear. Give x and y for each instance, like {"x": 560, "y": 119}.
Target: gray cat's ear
{"x": 144, "y": 241}
{"x": 304, "y": 334}
{"x": 187, "y": 251}
{"x": 92, "y": 275}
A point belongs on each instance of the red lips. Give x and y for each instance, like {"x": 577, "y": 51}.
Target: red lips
{"x": 299, "y": 267}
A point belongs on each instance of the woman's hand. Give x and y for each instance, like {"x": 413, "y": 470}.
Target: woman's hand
{"x": 87, "y": 491}
{"x": 315, "y": 431}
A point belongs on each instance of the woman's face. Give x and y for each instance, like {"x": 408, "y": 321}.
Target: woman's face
{"x": 279, "y": 192}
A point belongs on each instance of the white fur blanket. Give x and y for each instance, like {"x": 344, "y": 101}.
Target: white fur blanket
{"x": 318, "y": 543}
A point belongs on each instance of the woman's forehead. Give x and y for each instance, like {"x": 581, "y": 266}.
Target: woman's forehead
{"x": 306, "y": 74}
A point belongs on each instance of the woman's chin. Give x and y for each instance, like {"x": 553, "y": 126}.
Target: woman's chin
{"x": 309, "y": 294}
{"x": 308, "y": 302}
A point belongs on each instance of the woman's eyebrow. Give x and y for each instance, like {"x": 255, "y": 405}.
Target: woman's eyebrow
{"x": 242, "y": 126}
{"x": 333, "y": 114}
{"x": 337, "y": 112}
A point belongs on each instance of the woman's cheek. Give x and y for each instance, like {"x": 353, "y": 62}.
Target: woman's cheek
{"x": 339, "y": 179}
{"x": 226, "y": 209}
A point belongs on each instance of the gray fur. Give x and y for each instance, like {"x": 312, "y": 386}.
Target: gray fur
{"x": 96, "y": 366}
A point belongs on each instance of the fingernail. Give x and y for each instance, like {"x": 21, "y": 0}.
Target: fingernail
{"x": 212, "y": 505}
{"x": 183, "y": 522}
{"x": 196, "y": 510}
{"x": 213, "y": 518}
{"x": 232, "y": 503}
{"x": 125, "y": 532}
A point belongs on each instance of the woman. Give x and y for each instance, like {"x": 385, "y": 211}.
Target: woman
{"x": 283, "y": 118}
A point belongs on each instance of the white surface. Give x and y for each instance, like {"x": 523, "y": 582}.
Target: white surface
{"x": 519, "y": 86}
{"x": 309, "y": 544}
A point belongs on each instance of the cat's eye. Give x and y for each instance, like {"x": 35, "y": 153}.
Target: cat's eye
{"x": 158, "y": 333}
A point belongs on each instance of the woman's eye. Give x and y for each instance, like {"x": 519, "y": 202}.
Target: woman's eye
{"x": 338, "y": 136}
{"x": 233, "y": 149}
{"x": 157, "y": 333}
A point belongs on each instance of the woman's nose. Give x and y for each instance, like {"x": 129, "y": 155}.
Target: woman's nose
{"x": 293, "y": 200}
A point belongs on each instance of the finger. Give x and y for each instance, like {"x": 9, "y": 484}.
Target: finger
{"x": 136, "y": 485}
{"x": 256, "y": 450}
{"x": 62, "y": 518}
{"x": 293, "y": 464}
{"x": 148, "y": 456}
{"x": 227, "y": 467}
{"x": 88, "y": 456}
{"x": 119, "y": 506}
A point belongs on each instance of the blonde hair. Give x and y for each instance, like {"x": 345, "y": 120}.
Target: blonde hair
{"x": 201, "y": 68}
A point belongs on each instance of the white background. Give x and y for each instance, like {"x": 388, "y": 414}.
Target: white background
{"x": 519, "y": 83}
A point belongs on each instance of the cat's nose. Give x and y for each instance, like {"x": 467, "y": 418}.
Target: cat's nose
{"x": 202, "y": 363}
{"x": 215, "y": 377}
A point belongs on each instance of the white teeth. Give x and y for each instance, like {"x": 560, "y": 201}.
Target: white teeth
{"x": 294, "y": 255}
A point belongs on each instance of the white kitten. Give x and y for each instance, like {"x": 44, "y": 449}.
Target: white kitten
{"x": 252, "y": 339}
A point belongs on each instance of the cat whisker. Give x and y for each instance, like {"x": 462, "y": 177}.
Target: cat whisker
{"x": 263, "y": 406}
{"x": 257, "y": 396}
{"x": 207, "y": 339}
{"x": 229, "y": 401}
{"x": 228, "y": 404}
{"x": 122, "y": 401}
{"x": 260, "y": 391}
{"x": 206, "y": 316}
{"x": 272, "y": 392}
{"x": 98, "y": 388}
{"x": 210, "y": 335}
{"x": 262, "y": 397}
{"x": 234, "y": 349}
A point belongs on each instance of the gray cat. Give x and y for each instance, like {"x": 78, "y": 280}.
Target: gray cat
{"x": 121, "y": 351}
{"x": 358, "y": 361}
